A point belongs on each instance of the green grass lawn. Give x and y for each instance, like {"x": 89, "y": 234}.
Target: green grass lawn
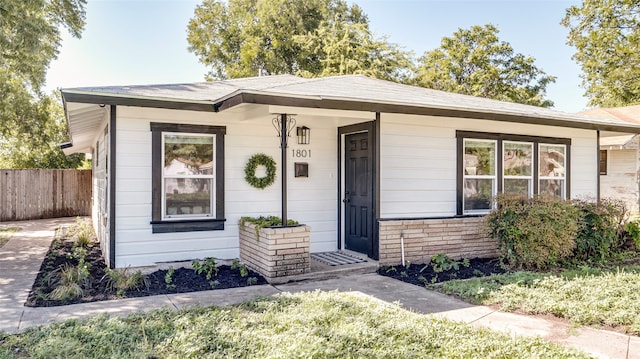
{"x": 585, "y": 296}
{"x": 303, "y": 325}
{"x": 6, "y": 233}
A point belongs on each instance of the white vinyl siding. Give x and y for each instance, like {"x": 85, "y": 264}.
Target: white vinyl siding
{"x": 621, "y": 181}
{"x": 312, "y": 200}
{"x": 418, "y": 161}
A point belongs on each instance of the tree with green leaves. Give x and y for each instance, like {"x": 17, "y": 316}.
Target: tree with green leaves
{"x": 343, "y": 48}
{"x": 606, "y": 35}
{"x": 242, "y": 38}
{"x": 475, "y": 62}
{"x": 31, "y": 124}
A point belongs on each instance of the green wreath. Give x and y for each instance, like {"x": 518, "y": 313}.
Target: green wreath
{"x": 256, "y": 160}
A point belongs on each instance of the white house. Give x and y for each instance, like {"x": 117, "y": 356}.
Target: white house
{"x": 619, "y": 160}
{"x": 379, "y": 161}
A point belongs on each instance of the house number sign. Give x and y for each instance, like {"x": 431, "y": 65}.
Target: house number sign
{"x": 298, "y": 153}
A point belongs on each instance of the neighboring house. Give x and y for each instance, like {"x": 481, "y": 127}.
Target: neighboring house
{"x": 383, "y": 161}
{"x": 619, "y": 162}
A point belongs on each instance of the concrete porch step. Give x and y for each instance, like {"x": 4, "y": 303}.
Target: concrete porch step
{"x": 322, "y": 271}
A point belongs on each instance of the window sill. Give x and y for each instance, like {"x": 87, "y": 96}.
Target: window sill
{"x": 188, "y": 225}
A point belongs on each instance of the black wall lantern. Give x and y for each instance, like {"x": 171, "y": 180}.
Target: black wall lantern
{"x": 304, "y": 134}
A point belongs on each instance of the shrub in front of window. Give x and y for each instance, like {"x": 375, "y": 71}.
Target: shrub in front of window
{"x": 533, "y": 233}
{"x": 600, "y": 230}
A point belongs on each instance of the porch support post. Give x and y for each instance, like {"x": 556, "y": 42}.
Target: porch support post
{"x": 598, "y": 167}
{"x": 283, "y": 161}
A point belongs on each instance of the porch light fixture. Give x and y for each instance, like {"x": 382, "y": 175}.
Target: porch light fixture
{"x": 304, "y": 135}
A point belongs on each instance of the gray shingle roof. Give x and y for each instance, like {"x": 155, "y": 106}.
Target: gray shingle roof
{"x": 348, "y": 89}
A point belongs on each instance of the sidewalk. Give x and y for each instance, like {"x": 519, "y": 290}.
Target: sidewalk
{"x": 20, "y": 261}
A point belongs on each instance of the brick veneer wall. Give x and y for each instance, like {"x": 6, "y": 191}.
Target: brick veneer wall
{"x": 278, "y": 252}
{"x": 455, "y": 237}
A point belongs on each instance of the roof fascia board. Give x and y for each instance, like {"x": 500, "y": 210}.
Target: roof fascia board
{"x": 354, "y": 105}
{"x": 136, "y": 101}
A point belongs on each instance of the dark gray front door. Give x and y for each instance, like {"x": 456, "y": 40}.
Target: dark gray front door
{"x": 358, "y": 194}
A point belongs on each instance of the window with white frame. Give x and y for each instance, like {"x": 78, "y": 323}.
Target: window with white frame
{"x": 517, "y": 168}
{"x": 480, "y": 178}
{"x": 187, "y": 177}
{"x": 529, "y": 166}
{"x": 553, "y": 166}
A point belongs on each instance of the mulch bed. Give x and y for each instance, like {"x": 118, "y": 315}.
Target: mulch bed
{"x": 185, "y": 280}
{"x": 422, "y": 274}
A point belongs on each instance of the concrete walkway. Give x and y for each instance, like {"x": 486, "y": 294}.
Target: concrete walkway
{"x": 21, "y": 257}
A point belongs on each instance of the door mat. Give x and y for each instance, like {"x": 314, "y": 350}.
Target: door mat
{"x": 336, "y": 258}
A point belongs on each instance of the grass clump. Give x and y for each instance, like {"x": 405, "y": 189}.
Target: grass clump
{"x": 121, "y": 280}
{"x": 6, "y": 234}
{"x": 584, "y": 295}
{"x": 70, "y": 281}
{"x": 82, "y": 232}
{"x": 301, "y": 325}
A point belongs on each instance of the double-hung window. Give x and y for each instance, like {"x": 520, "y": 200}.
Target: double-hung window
{"x": 553, "y": 164}
{"x": 188, "y": 177}
{"x": 490, "y": 163}
{"x": 517, "y": 168}
{"x": 480, "y": 174}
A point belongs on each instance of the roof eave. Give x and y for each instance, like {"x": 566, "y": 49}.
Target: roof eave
{"x": 138, "y": 101}
{"x": 262, "y": 98}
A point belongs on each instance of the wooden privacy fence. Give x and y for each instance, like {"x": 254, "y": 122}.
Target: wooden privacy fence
{"x": 44, "y": 193}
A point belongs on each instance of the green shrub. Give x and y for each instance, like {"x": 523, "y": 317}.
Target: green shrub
{"x": 535, "y": 232}
{"x": 600, "y": 229}
{"x": 632, "y": 230}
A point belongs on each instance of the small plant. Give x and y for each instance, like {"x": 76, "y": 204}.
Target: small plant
{"x": 389, "y": 269}
{"x": 466, "y": 262}
{"x": 252, "y": 281}
{"x": 404, "y": 274}
{"x": 120, "y": 280}
{"x": 422, "y": 280}
{"x": 208, "y": 267}
{"x": 214, "y": 283}
{"x": 244, "y": 271}
{"x": 236, "y": 265}
{"x": 441, "y": 262}
{"x": 168, "y": 278}
{"x": 81, "y": 232}
{"x": 66, "y": 292}
{"x": 83, "y": 239}
{"x": 70, "y": 280}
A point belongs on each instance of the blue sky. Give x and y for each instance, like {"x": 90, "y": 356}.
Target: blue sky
{"x": 130, "y": 42}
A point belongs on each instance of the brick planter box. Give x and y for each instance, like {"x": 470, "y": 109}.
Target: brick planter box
{"x": 276, "y": 252}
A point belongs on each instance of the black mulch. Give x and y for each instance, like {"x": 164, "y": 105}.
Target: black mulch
{"x": 421, "y": 274}
{"x": 185, "y": 280}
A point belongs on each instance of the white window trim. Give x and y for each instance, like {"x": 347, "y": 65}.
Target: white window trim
{"x": 212, "y": 189}
{"x": 531, "y": 177}
{"x": 564, "y": 165}
{"x": 494, "y": 177}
